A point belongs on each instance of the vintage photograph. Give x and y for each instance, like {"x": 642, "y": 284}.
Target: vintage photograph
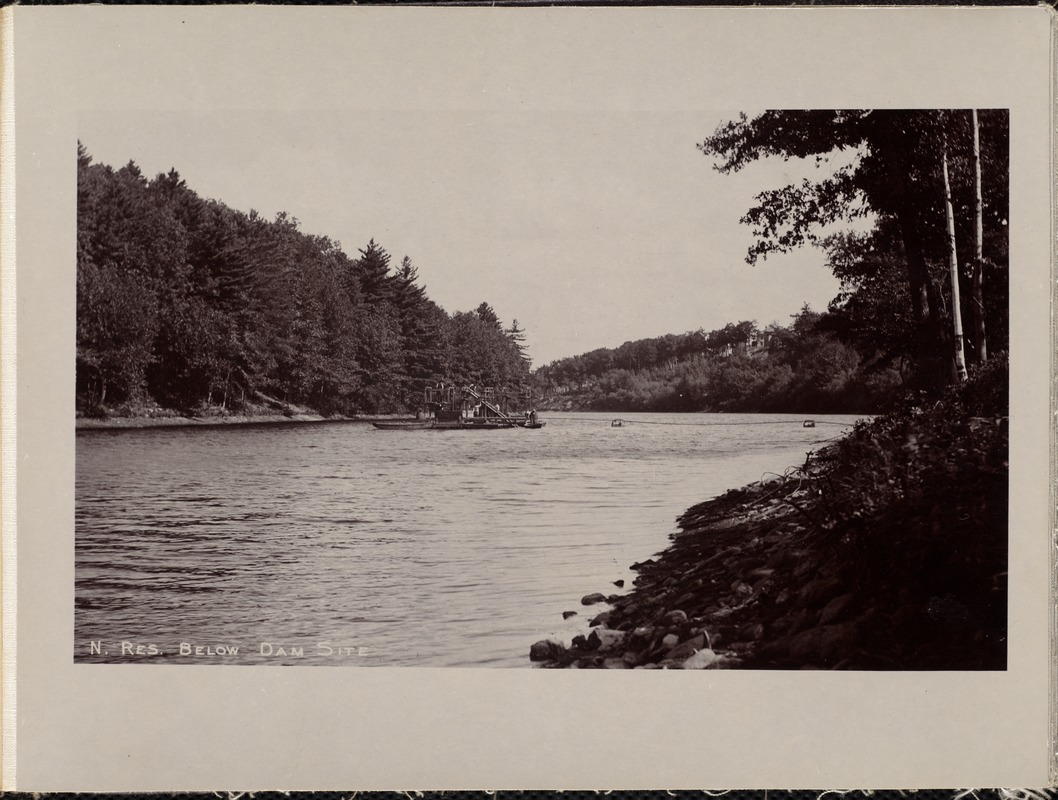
{"x": 708, "y": 389}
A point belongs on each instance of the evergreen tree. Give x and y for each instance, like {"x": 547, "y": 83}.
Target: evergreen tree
{"x": 488, "y": 316}
{"x": 421, "y": 327}
{"x": 517, "y": 336}
{"x": 373, "y": 271}
{"x": 194, "y": 305}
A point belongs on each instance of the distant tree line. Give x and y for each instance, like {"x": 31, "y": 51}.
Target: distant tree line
{"x": 802, "y": 367}
{"x": 185, "y": 303}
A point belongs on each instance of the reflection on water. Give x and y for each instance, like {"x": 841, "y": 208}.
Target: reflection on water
{"x": 342, "y": 544}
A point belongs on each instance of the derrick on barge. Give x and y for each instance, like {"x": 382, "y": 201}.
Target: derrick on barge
{"x": 470, "y": 408}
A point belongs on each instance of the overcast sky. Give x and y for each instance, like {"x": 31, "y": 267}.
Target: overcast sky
{"x": 590, "y": 228}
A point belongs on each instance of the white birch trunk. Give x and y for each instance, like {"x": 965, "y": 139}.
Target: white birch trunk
{"x": 953, "y": 263}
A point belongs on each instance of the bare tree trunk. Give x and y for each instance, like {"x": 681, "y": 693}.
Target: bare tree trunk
{"x": 977, "y": 296}
{"x": 953, "y": 263}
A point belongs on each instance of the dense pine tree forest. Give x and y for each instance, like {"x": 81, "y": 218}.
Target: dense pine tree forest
{"x": 186, "y": 304}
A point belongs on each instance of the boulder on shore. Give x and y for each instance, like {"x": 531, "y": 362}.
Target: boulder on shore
{"x": 703, "y": 659}
{"x": 592, "y": 599}
{"x": 605, "y": 638}
{"x": 546, "y": 650}
{"x": 676, "y": 617}
{"x": 600, "y": 619}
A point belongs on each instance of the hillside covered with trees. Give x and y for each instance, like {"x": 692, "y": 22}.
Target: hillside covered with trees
{"x": 802, "y": 367}
{"x": 186, "y": 304}
{"x": 922, "y": 264}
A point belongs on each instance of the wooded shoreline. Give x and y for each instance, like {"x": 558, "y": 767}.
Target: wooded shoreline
{"x": 142, "y": 422}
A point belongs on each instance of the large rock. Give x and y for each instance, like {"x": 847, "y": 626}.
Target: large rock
{"x": 593, "y": 598}
{"x": 687, "y": 648}
{"x": 546, "y": 650}
{"x": 600, "y": 619}
{"x": 752, "y": 632}
{"x": 675, "y": 617}
{"x": 703, "y": 659}
{"x": 823, "y": 643}
{"x": 820, "y": 592}
{"x": 605, "y": 638}
{"x": 643, "y": 634}
{"x": 775, "y": 649}
{"x": 685, "y": 599}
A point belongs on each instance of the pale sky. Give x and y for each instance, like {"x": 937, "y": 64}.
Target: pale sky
{"x": 590, "y": 228}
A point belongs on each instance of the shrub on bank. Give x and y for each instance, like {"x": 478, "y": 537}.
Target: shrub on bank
{"x": 914, "y": 508}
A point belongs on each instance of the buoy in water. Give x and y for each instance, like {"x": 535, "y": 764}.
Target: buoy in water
{"x": 809, "y": 423}
{"x": 616, "y": 423}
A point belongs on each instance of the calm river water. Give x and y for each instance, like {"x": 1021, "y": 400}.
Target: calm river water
{"x": 340, "y": 544}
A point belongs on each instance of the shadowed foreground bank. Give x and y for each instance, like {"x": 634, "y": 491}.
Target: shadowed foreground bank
{"x": 886, "y": 551}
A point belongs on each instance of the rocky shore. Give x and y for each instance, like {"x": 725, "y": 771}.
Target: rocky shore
{"x": 886, "y": 551}
{"x": 744, "y": 584}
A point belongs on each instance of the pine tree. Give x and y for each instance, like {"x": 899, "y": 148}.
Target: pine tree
{"x": 517, "y": 335}
{"x": 373, "y": 271}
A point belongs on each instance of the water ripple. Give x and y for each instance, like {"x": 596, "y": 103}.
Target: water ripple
{"x": 388, "y": 547}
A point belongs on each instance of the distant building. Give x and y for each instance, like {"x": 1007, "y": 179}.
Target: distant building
{"x": 756, "y": 344}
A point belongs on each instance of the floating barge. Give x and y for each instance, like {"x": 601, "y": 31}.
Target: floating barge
{"x": 468, "y": 408}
